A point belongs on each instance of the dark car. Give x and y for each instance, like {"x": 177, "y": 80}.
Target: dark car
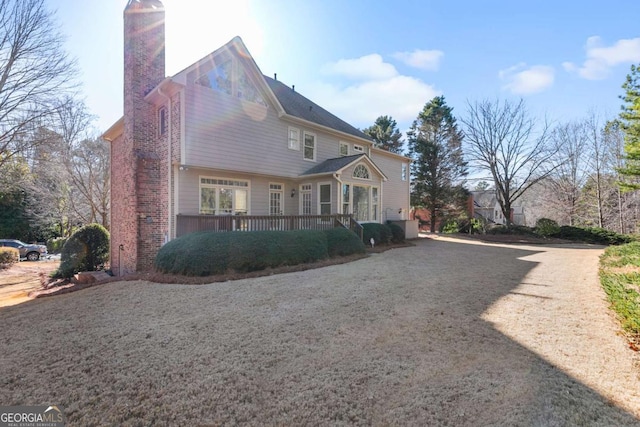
{"x": 30, "y": 252}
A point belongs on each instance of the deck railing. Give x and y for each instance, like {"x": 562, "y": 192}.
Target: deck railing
{"x": 191, "y": 223}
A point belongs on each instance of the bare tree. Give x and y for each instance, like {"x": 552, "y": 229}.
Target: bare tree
{"x": 566, "y": 182}
{"x": 503, "y": 139}
{"x": 34, "y": 72}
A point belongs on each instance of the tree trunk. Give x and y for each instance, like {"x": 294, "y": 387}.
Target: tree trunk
{"x": 432, "y": 219}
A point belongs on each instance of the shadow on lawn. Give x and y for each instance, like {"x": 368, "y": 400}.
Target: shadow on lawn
{"x": 396, "y": 338}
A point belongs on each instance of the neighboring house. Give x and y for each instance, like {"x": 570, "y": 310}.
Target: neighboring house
{"x": 221, "y": 140}
{"x": 485, "y": 205}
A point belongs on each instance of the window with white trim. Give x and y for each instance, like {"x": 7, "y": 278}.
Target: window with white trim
{"x": 309, "y": 148}
{"x": 358, "y": 148}
{"x": 219, "y": 196}
{"x": 363, "y": 201}
{"x": 324, "y": 199}
{"x": 305, "y": 199}
{"x": 344, "y": 149}
{"x": 361, "y": 172}
{"x": 294, "y": 139}
{"x": 276, "y": 199}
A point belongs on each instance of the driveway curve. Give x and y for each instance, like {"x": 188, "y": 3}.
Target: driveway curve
{"x": 449, "y": 332}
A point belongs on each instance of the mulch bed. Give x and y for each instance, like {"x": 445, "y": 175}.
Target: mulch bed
{"x": 157, "y": 277}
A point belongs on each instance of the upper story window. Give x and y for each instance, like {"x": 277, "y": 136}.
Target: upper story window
{"x": 231, "y": 78}
{"x": 361, "y": 172}
{"x": 358, "y": 148}
{"x": 404, "y": 172}
{"x": 294, "y": 139}
{"x": 163, "y": 121}
{"x": 309, "y": 151}
{"x": 218, "y": 78}
{"x": 344, "y": 149}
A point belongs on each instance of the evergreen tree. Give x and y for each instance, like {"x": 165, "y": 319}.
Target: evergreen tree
{"x": 385, "y": 134}
{"x": 435, "y": 145}
{"x": 630, "y": 124}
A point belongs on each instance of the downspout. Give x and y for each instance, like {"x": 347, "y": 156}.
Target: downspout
{"x": 169, "y": 135}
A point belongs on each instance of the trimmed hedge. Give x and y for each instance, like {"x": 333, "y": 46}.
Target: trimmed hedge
{"x": 86, "y": 250}
{"x": 593, "y": 235}
{"x": 397, "y": 233}
{"x": 380, "y": 233}
{"x": 207, "y": 253}
{"x": 343, "y": 242}
{"x": 546, "y": 227}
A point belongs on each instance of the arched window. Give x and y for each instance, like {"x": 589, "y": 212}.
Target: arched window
{"x": 361, "y": 172}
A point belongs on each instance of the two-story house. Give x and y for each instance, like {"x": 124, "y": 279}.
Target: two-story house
{"x": 221, "y": 140}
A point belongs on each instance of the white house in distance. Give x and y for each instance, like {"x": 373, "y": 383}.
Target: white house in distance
{"x": 220, "y": 144}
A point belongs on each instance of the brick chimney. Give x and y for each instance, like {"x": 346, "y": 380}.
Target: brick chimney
{"x": 138, "y": 165}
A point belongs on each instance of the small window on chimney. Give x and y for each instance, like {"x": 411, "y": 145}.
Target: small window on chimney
{"x": 163, "y": 121}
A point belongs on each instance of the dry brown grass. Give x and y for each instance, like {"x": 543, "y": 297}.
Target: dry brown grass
{"x": 443, "y": 333}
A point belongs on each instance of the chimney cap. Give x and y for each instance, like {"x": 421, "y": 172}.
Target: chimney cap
{"x": 144, "y": 4}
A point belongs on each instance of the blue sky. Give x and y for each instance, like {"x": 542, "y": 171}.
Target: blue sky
{"x": 362, "y": 59}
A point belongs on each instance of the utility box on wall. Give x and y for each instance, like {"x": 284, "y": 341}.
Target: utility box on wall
{"x": 410, "y": 228}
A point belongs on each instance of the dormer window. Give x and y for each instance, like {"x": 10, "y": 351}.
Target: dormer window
{"x": 358, "y": 148}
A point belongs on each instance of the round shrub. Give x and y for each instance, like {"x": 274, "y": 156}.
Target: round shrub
{"x": 380, "y": 233}
{"x": 546, "y": 227}
{"x": 451, "y": 227}
{"x": 86, "y": 250}
{"x": 208, "y": 253}
{"x": 397, "y": 233}
{"x": 343, "y": 242}
{"x": 8, "y": 256}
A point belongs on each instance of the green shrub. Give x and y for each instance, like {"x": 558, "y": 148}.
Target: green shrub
{"x": 54, "y": 246}
{"x": 594, "y": 235}
{"x": 518, "y": 230}
{"x": 343, "y": 242}
{"x": 208, "y": 253}
{"x": 546, "y": 227}
{"x": 86, "y": 250}
{"x": 623, "y": 289}
{"x": 451, "y": 227}
{"x": 397, "y": 233}
{"x": 380, "y": 233}
{"x": 9, "y": 256}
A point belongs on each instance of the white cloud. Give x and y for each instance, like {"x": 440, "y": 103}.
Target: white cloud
{"x": 524, "y": 80}
{"x": 600, "y": 58}
{"x": 366, "y": 67}
{"x": 362, "y": 89}
{"x": 424, "y": 59}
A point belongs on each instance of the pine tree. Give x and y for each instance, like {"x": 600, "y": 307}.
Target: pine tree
{"x": 435, "y": 145}
{"x": 385, "y": 134}
{"x": 630, "y": 124}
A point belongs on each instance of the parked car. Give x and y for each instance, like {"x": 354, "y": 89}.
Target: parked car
{"x": 30, "y": 252}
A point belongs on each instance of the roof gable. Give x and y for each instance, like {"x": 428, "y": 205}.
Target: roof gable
{"x": 301, "y": 107}
{"x": 337, "y": 165}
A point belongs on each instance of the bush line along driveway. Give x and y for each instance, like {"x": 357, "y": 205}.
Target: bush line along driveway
{"x": 444, "y": 333}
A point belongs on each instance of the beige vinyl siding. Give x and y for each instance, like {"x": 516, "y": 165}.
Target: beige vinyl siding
{"x": 189, "y": 191}
{"x": 395, "y": 191}
{"x": 223, "y": 132}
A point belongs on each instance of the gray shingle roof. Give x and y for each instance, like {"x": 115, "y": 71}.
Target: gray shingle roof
{"x": 332, "y": 165}
{"x": 301, "y": 107}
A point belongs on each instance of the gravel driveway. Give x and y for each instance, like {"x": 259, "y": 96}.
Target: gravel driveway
{"x": 449, "y": 332}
